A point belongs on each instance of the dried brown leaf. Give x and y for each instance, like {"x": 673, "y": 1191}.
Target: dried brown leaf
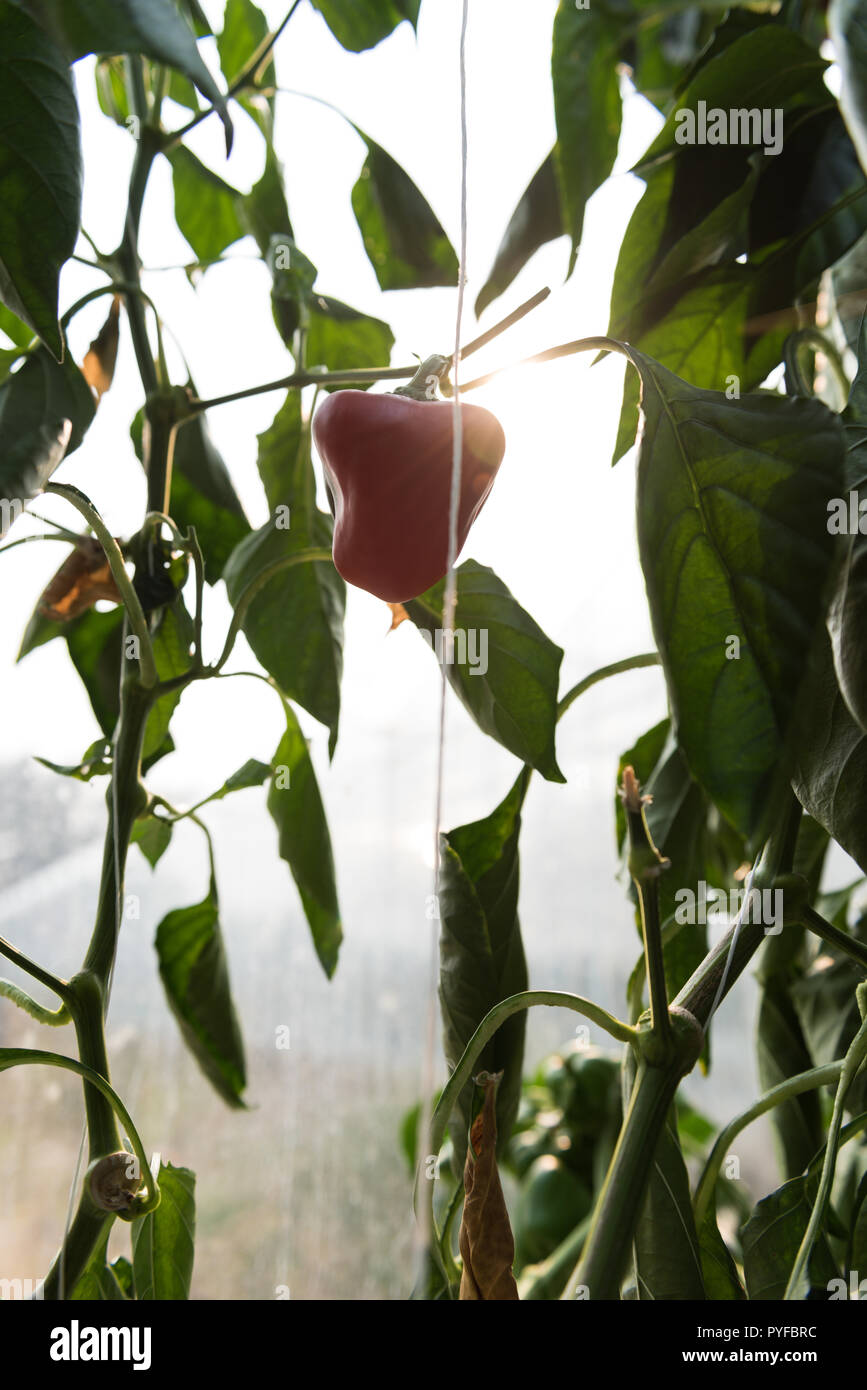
{"x": 486, "y": 1243}
{"x": 100, "y": 358}
{"x": 83, "y": 578}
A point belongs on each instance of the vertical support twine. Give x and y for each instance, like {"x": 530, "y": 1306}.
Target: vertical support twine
{"x": 424, "y": 1233}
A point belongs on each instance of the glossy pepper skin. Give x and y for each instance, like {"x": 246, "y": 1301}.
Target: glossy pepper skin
{"x": 388, "y": 462}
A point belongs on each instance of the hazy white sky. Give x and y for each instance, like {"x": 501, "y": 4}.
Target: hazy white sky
{"x": 555, "y": 526}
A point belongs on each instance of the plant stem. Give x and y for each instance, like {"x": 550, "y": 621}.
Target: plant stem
{"x": 53, "y": 1018}
{"x": 53, "y": 982}
{"x": 27, "y": 1056}
{"x": 840, "y": 940}
{"x": 248, "y": 71}
{"x": 254, "y": 587}
{"x": 793, "y": 1086}
{"x": 619, "y": 1204}
{"x": 629, "y": 663}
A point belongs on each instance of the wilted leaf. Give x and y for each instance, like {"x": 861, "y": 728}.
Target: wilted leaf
{"x": 84, "y": 577}
{"x": 486, "y": 1243}
{"x": 100, "y": 358}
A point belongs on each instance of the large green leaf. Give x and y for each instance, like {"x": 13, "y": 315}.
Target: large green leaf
{"x": 244, "y": 28}
{"x": 98, "y": 1282}
{"x": 769, "y": 67}
{"x": 586, "y": 105}
{"x": 537, "y": 219}
{"x": 771, "y": 1239}
{"x": 339, "y": 337}
{"x": 295, "y": 624}
{"x": 403, "y": 237}
{"x": 719, "y": 1271}
{"x": 171, "y": 643}
{"x": 668, "y": 1258}
{"x": 782, "y": 1052}
{"x": 206, "y": 207}
{"x": 153, "y": 28}
{"x": 847, "y": 23}
{"x": 482, "y": 954}
{"x": 45, "y": 408}
{"x": 163, "y": 1242}
{"x": 830, "y": 768}
{"x": 732, "y": 505}
{"x": 264, "y": 210}
{"x": 40, "y": 172}
{"x": 195, "y": 973}
{"x": 303, "y": 840}
{"x": 849, "y": 609}
{"x": 514, "y": 700}
{"x": 95, "y": 642}
{"x": 360, "y": 24}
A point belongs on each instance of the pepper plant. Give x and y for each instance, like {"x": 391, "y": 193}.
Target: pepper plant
{"x": 736, "y": 303}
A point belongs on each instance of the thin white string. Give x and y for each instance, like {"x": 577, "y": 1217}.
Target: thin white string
{"x": 449, "y": 604}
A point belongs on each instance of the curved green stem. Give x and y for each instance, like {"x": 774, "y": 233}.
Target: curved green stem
{"x": 600, "y": 344}
{"x": 137, "y": 619}
{"x": 54, "y": 1018}
{"x": 793, "y": 1086}
{"x": 629, "y": 663}
{"x": 24, "y": 1056}
{"x": 254, "y": 587}
{"x": 797, "y": 1287}
{"x": 840, "y": 940}
{"x": 493, "y": 1020}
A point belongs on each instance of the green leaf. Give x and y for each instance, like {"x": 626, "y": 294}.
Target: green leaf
{"x": 404, "y": 240}
{"x": 482, "y": 954}
{"x": 45, "y": 409}
{"x": 340, "y": 338}
{"x": 830, "y": 763}
{"x": 264, "y": 211}
{"x": 769, "y": 67}
{"x": 244, "y": 28}
{"x": 668, "y": 1259}
{"x": 847, "y": 26}
{"x": 514, "y": 699}
{"x": 827, "y": 1010}
{"x": 586, "y": 106}
{"x": 203, "y": 494}
{"x": 171, "y": 643}
{"x": 733, "y": 543}
{"x": 153, "y": 28}
{"x": 537, "y": 219}
{"x": 782, "y": 1052}
{"x": 16, "y": 331}
{"x": 163, "y": 1242}
{"x": 194, "y": 971}
{"x": 95, "y": 642}
{"x": 153, "y": 836}
{"x": 99, "y": 1281}
{"x": 95, "y": 763}
{"x": 856, "y": 1259}
{"x": 771, "y": 1239}
{"x": 206, "y": 207}
{"x": 308, "y": 601}
{"x": 40, "y": 172}
{"x": 360, "y": 24}
{"x": 252, "y": 774}
{"x": 719, "y": 1271}
{"x": 295, "y": 804}
{"x": 847, "y": 616}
